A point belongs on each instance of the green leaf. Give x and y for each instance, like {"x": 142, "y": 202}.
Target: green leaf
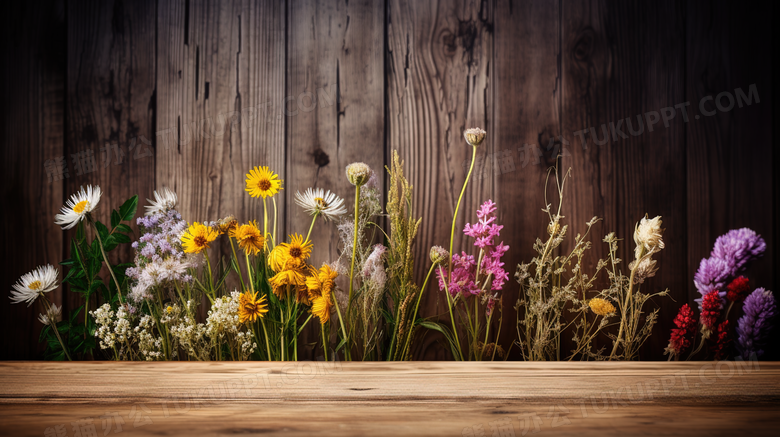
{"x": 102, "y": 229}
{"x": 127, "y": 210}
{"x": 123, "y": 228}
{"x": 120, "y": 238}
{"x": 115, "y": 219}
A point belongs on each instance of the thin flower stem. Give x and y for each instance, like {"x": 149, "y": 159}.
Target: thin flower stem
{"x": 211, "y": 276}
{"x": 53, "y": 324}
{"x": 324, "y": 342}
{"x": 249, "y": 273}
{"x": 273, "y": 236}
{"x": 484, "y": 343}
{"x": 265, "y": 220}
{"x": 105, "y": 259}
{"x": 238, "y": 265}
{"x": 347, "y": 355}
{"x": 457, "y": 207}
{"x": 416, "y": 307}
{"x": 267, "y": 344}
{"x": 312, "y": 225}
{"x": 452, "y": 318}
{"x": 625, "y": 305}
{"x": 354, "y": 244}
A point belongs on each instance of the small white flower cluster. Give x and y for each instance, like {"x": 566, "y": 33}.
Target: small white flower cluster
{"x": 223, "y": 317}
{"x": 114, "y": 328}
{"x": 247, "y": 343}
{"x": 104, "y": 317}
{"x": 149, "y": 346}
{"x": 191, "y": 336}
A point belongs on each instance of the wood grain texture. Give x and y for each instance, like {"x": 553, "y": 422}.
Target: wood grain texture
{"x": 729, "y": 153}
{"x": 621, "y": 60}
{"x": 334, "y": 106}
{"x": 423, "y": 398}
{"x": 110, "y": 108}
{"x": 33, "y": 93}
{"x": 221, "y": 70}
{"x": 527, "y": 116}
{"x": 438, "y": 85}
{"x": 214, "y": 88}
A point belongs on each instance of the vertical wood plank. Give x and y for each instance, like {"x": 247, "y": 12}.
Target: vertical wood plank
{"x": 221, "y": 68}
{"x": 527, "y": 105}
{"x": 620, "y": 60}
{"x": 32, "y": 132}
{"x": 729, "y": 155}
{"x": 111, "y": 104}
{"x": 438, "y": 85}
{"x": 334, "y": 107}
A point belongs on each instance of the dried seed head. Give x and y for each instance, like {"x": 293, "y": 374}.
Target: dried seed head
{"x": 358, "y": 173}
{"x": 474, "y": 136}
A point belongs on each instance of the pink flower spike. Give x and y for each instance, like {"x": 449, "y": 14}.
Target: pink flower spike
{"x": 486, "y": 209}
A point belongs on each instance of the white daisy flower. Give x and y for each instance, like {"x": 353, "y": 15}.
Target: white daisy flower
{"x": 34, "y": 284}
{"x": 52, "y": 316}
{"x": 164, "y": 200}
{"x": 318, "y": 201}
{"x": 78, "y": 206}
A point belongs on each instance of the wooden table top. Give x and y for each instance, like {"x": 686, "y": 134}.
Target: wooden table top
{"x": 413, "y": 398}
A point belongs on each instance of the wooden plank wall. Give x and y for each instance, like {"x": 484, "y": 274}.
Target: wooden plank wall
{"x": 190, "y": 94}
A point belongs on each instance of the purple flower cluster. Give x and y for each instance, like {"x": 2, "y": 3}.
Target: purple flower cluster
{"x": 729, "y": 257}
{"x": 756, "y": 323}
{"x": 159, "y": 255}
{"x": 466, "y": 278}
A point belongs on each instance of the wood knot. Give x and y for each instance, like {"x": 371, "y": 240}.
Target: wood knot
{"x": 320, "y": 157}
{"x": 584, "y": 44}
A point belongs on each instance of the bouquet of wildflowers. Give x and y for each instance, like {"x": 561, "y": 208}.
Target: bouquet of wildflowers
{"x": 552, "y": 283}
{"x": 721, "y": 283}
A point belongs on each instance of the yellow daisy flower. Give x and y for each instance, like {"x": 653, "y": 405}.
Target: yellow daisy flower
{"x": 321, "y": 281}
{"x": 320, "y": 287}
{"x": 292, "y": 255}
{"x": 197, "y": 238}
{"x": 250, "y": 308}
{"x": 262, "y": 182}
{"x": 321, "y": 307}
{"x": 226, "y": 225}
{"x": 249, "y": 238}
{"x": 291, "y": 277}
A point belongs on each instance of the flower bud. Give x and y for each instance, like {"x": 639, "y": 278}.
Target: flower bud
{"x": 474, "y": 136}
{"x": 358, "y": 173}
{"x": 439, "y": 255}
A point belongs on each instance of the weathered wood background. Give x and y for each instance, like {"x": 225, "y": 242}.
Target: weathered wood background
{"x": 190, "y": 94}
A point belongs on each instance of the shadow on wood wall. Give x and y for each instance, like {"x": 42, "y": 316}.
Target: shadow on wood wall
{"x": 188, "y": 94}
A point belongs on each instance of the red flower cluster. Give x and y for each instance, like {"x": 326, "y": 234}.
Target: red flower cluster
{"x": 680, "y": 340}
{"x": 721, "y": 348}
{"x": 738, "y": 289}
{"x": 710, "y": 312}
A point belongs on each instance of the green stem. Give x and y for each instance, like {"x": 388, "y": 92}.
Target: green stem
{"x": 347, "y": 355}
{"x": 312, "y": 225}
{"x": 267, "y": 344}
{"x": 265, "y": 220}
{"x": 324, "y": 341}
{"x": 238, "y": 265}
{"x": 56, "y": 331}
{"x": 414, "y": 315}
{"x": 354, "y": 245}
{"x": 273, "y": 236}
{"x": 457, "y": 207}
{"x": 452, "y": 318}
{"x": 249, "y": 273}
{"x": 105, "y": 259}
